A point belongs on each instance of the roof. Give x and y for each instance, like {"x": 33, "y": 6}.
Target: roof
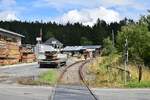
{"x": 51, "y": 40}
{"x": 91, "y": 47}
{"x": 72, "y": 48}
{"x": 10, "y": 32}
{"x": 78, "y": 48}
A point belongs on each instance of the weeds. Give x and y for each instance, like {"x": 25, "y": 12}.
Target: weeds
{"x": 109, "y": 72}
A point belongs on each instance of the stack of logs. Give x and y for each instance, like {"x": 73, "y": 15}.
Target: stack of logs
{"x": 12, "y": 53}
{"x": 51, "y": 55}
{"x": 9, "y": 53}
{"x": 27, "y": 55}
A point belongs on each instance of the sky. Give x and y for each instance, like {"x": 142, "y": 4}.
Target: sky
{"x": 62, "y": 11}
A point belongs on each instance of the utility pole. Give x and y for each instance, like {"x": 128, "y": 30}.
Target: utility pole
{"x": 113, "y": 38}
{"x": 41, "y": 34}
{"x": 125, "y": 60}
{"x": 39, "y": 41}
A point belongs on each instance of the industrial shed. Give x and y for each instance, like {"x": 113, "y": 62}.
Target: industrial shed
{"x": 92, "y": 50}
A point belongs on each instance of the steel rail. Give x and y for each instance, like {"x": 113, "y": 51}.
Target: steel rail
{"x": 84, "y": 81}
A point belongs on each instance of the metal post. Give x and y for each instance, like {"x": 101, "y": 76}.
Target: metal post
{"x": 126, "y": 61}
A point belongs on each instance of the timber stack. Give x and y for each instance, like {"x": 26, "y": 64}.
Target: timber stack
{"x": 27, "y": 55}
{"x": 9, "y": 52}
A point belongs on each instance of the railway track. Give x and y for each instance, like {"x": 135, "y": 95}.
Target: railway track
{"x": 82, "y": 89}
{"x": 84, "y": 81}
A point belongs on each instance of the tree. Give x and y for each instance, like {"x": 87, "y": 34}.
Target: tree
{"x": 138, "y": 37}
{"x": 100, "y": 31}
{"x": 48, "y": 35}
{"x": 108, "y": 47}
{"x": 85, "y": 41}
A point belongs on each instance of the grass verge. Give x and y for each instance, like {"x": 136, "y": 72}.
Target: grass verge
{"x": 46, "y": 78}
{"x": 49, "y": 77}
{"x": 142, "y": 84}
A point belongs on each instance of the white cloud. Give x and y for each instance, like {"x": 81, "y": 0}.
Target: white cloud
{"x": 7, "y": 2}
{"x": 60, "y": 4}
{"x": 116, "y": 2}
{"x": 124, "y": 7}
{"x": 125, "y": 4}
{"x": 8, "y": 15}
{"x": 89, "y": 16}
{"x": 7, "y": 10}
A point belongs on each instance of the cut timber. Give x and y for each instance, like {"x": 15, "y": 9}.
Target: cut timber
{"x": 13, "y": 52}
{"x": 17, "y": 56}
{"x": 8, "y": 61}
{"x": 26, "y": 50}
{"x": 28, "y": 55}
{"x": 3, "y": 52}
{"x": 9, "y": 53}
{"x": 28, "y": 58}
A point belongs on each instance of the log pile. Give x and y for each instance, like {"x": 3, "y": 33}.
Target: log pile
{"x": 12, "y": 53}
{"x": 28, "y": 55}
{"x": 9, "y": 53}
{"x": 51, "y": 55}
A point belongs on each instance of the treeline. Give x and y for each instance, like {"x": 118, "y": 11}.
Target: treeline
{"x": 69, "y": 34}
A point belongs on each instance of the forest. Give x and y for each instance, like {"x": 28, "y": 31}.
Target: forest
{"x": 69, "y": 34}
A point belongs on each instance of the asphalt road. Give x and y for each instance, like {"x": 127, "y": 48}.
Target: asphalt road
{"x": 72, "y": 92}
{"x": 8, "y": 92}
{"x": 9, "y": 75}
{"x": 122, "y": 94}
{"x": 23, "y": 70}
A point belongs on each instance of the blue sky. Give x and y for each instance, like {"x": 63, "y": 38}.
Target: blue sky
{"x": 62, "y": 11}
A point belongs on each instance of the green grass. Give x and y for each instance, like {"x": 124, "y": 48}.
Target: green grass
{"x": 49, "y": 77}
{"x": 143, "y": 84}
{"x": 46, "y": 78}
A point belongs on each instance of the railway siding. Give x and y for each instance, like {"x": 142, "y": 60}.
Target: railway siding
{"x": 71, "y": 84}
